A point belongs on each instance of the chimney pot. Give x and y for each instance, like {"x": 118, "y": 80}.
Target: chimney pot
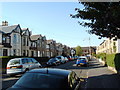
{"x": 4, "y": 23}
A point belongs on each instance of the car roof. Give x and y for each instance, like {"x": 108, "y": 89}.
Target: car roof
{"x": 59, "y": 56}
{"x": 52, "y": 71}
{"x": 21, "y": 58}
{"x": 82, "y": 57}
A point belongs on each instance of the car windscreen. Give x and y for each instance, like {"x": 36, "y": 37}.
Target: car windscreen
{"x": 82, "y": 59}
{"x": 59, "y": 57}
{"x": 14, "y": 61}
{"x": 52, "y": 60}
{"x": 39, "y": 80}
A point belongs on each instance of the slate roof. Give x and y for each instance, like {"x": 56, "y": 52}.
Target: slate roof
{"x": 24, "y": 29}
{"x": 35, "y": 37}
{"x": 50, "y": 41}
{"x": 8, "y": 29}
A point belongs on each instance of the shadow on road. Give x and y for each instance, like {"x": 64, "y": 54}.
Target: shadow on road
{"x": 71, "y": 65}
{"x": 10, "y": 82}
{"x": 104, "y": 81}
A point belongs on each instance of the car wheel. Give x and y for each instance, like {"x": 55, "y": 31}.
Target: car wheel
{"x": 55, "y": 64}
{"x": 26, "y": 70}
{"x": 85, "y": 65}
{"x": 76, "y": 64}
{"x": 12, "y": 75}
{"x": 40, "y": 66}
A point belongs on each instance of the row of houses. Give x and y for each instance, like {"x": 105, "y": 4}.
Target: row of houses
{"x": 17, "y": 41}
{"x": 109, "y": 46}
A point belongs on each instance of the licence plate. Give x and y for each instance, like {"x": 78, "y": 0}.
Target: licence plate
{"x": 14, "y": 67}
{"x": 81, "y": 64}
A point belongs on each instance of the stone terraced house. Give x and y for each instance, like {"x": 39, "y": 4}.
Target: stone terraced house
{"x": 17, "y": 41}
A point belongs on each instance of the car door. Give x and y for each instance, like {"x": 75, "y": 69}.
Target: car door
{"x": 30, "y": 64}
{"x": 25, "y": 64}
{"x": 36, "y": 63}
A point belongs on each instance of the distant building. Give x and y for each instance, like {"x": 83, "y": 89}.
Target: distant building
{"x": 88, "y": 50}
{"x": 59, "y": 49}
{"x": 38, "y": 45}
{"x": 51, "y": 48}
{"x": 25, "y": 42}
{"x": 109, "y": 46}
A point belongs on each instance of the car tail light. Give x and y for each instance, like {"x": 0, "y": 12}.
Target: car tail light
{"x": 8, "y": 68}
{"x": 84, "y": 60}
{"x": 20, "y": 66}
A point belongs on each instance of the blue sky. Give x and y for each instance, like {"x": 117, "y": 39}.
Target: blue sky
{"x": 50, "y": 19}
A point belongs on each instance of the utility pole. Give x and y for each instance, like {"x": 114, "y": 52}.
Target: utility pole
{"x": 89, "y": 47}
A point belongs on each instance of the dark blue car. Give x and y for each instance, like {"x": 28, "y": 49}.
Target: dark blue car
{"x": 82, "y": 60}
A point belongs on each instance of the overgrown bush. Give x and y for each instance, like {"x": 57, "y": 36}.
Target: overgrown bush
{"x": 102, "y": 56}
{"x": 113, "y": 60}
{"x": 117, "y": 61}
{"x": 110, "y": 60}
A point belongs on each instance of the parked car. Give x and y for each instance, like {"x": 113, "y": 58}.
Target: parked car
{"x": 88, "y": 57}
{"x": 61, "y": 58}
{"x": 76, "y": 57}
{"x": 21, "y": 65}
{"x": 82, "y": 60}
{"x": 48, "y": 78}
{"x": 66, "y": 59}
{"x": 72, "y": 58}
{"x": 53, "y": 61}
{"x": 69, "y": 58}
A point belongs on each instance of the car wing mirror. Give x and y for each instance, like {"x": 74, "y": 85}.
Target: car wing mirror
{"x": 81, "y": 79}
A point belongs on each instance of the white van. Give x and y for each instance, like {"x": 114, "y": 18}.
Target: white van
{"x": 21, "y": 65}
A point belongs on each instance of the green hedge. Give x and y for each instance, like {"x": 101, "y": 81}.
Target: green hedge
{"x": 117, "y": 61}
{"x": 110, "y": 60}
{"x": 102, "y": 56}
{"x": 113, "y": 60}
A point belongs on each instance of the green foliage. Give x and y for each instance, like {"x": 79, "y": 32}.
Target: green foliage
{"x": 4, "y": 56}
{"x": 93, "y": 54}
{"x": 78, "y": 51}
{"x": 102, "y": 56}
{"x": 117, "y": 61}
{"x": 113, "y": 60}
{"x": 110, "y": 60}
{"x": 102, "y": 18}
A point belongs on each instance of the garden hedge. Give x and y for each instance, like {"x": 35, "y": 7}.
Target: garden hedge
{"x": 113, "y": 60}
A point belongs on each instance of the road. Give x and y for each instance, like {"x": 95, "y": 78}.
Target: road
{"x": 94, "y": 76}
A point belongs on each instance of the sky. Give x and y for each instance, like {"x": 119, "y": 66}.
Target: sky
{"x": 50, "y": 19}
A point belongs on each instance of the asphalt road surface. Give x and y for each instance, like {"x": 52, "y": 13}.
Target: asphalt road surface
{"x": 92, "y": 77}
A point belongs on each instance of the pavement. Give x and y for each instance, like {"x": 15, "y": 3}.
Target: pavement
{"x": 101, "y": 77}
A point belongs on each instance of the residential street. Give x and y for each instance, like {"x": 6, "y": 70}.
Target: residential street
{"x": 94, "y": 76}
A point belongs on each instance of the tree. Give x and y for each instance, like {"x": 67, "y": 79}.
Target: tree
{"x": 102, "y": 19}
{"x": 78, "y": 51}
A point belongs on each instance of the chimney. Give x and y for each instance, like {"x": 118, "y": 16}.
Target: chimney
{"x": 4, "y": 23}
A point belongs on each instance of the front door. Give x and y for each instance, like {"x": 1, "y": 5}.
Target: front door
{"x": 5, "y": 52}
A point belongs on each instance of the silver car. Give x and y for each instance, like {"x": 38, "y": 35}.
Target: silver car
{"x": 21, "y": 65}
